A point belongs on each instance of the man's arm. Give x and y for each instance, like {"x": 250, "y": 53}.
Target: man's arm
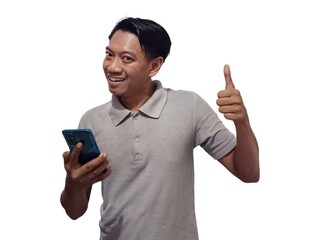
{"x": 243, "y": 160}
{"x": 79, "y": 180}
{"x": 75, "y": 201}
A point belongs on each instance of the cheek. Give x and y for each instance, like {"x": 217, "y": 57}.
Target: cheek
{"x": 105, "y": 65}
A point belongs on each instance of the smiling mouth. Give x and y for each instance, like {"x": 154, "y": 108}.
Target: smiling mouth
{"x": 115, "y": 79}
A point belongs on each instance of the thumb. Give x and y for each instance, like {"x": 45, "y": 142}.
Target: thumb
{"x": 227, "y": 76}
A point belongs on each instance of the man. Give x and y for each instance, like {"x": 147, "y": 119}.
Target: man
{"x": 147, "y": 134}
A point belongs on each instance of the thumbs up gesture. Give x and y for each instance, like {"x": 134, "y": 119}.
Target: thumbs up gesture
{"x": 230, "y": 101}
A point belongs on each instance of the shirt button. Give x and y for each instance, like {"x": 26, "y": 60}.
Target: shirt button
{"x": 137, "y": 139}
{"x": 137, "y": 157}
{"x": 135, "y": 116}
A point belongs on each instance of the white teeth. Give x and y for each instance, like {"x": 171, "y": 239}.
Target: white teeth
{"x": 116, "y": 79}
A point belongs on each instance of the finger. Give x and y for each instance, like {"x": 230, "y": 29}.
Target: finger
{"x": 101, "y": 161}
{"x": 66, "y": 157}
{"x": 100, "y": 170}
{"x": 102, "y": 176}
{"x": 227, "y": 76}
{"x": 75, "y": 154}
{"x": 94, "y": 171}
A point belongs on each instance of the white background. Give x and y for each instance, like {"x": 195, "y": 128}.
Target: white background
{"x": 51, "y": 54}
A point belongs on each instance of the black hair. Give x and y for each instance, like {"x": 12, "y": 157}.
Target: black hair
{"x": 153, "y": 38}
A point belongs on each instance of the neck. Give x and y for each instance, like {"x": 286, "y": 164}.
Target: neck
{"x": 134, "y": 103}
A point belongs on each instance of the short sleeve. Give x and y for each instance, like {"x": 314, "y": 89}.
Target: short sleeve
{"x": 211, "y": 134}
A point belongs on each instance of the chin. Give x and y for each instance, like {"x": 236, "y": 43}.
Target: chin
{"x": 116, "y": 91}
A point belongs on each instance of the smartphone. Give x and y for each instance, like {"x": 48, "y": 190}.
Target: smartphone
{"x": 90, "y": 148}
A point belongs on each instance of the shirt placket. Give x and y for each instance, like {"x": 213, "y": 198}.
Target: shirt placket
{"x": 137, "y": 127}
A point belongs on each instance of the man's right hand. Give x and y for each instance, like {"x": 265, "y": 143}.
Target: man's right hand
{"x": 79, "y": 180}
{"x": 84, "y": 176}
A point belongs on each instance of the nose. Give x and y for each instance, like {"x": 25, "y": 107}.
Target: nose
{"x": 113, "y": 65}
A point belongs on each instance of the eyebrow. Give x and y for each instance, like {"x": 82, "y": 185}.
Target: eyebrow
{"x": 124, "y": 52}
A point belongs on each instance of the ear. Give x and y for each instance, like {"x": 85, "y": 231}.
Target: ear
{"x": 155, "y": 66}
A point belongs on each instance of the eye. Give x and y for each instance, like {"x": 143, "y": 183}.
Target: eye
{"x": 108, "y": 55}
{"x": 127, "y": 59}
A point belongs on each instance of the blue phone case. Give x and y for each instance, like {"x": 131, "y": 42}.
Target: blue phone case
{"x": 90, "y": 148}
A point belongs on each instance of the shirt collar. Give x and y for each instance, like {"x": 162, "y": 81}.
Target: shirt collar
{"x": 152, "y": 108}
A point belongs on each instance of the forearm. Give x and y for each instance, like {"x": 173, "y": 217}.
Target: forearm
{"x": 246, "y": 153}
{"x": 75, "y": 201}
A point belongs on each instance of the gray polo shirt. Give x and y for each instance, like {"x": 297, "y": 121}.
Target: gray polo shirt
{"x": 150, "y": 193}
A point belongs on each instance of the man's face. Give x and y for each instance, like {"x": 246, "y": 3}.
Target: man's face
{"x": 125, "y": 65}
